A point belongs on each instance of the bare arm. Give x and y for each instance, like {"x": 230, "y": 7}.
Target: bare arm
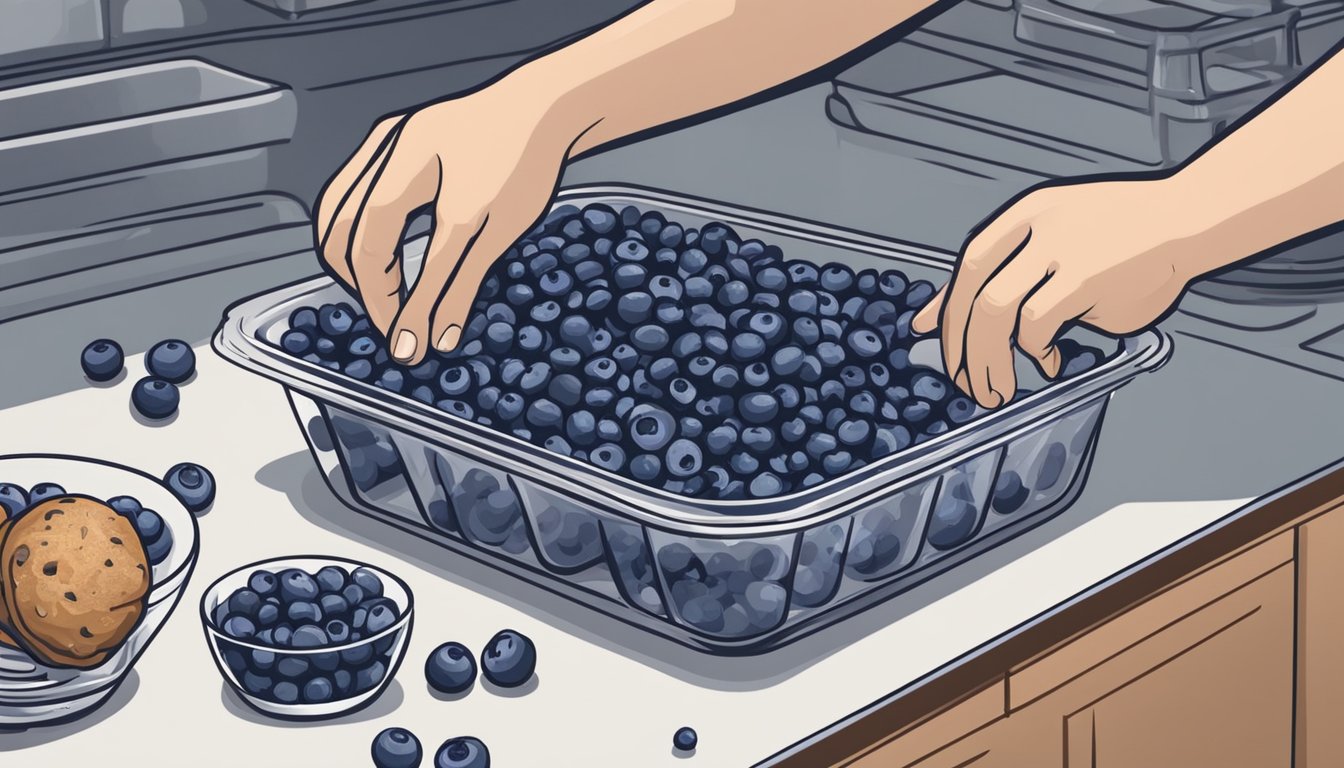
{"x": 1117, "y": 255}
{"x": 489, "y": 162}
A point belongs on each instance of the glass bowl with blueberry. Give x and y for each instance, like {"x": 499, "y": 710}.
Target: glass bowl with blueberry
{"x": 32, "y": 693}
{"x": 717, "y": 417}
{"x": 307, "y": 638}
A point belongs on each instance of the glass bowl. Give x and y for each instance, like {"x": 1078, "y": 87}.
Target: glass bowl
{"x": 308, "y": 683}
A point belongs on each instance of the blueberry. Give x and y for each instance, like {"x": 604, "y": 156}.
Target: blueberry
{"x": 509, "y": 659}
{"x": 853, "y": 432}
{"x": 264, "y": 583}
{"x": 684, "y": 458}
{"x": 286, "y": 692}
{"x": 534, "y": 378}
{"x": 546, "y": 312}
{"x": 865, "y": 343}
{"x": 631, "y": 250}
{"x": 721, "y": 440}
{"x": 725, "y": 376}
{"x": 666, "y": 288}
{"x": 765, "y": 485}
{"x": 820, "y": 444}
{"x": 608, "y": 456}
{"x": 396, "y": 748}
{"x": 297, "y": 586}
{"x": 685, "y": 739}
{"x": 103, "y": 359}
{"x": 747, "y": 346}
{"x": 599, "y": 219}
{"x": 758, "y": 407}
{"x": 651, "y": 428}
{"x": 682, "y": 391}
{"x": 1009, "y": 493}
{"x": 609, "y": 431}
{"x": 759, "y": 439}
{"x": 295, "y": 342}
{"x": 646, "y": 467}
{"x": 566, "y": 389}
{"x": 368, "y": 581}
{"x": 916, "y": 411}
{"x": 544, "y": 413}
{"x": 919, "y": 293}
{"x": 239, "y": 627}
{"x": 649, "y": 338}
{"x": 147, "y": 524}
{"x": 155, "y": 398}
{"x": 715, "y": 342}
{"x": 960, "y": 410}
{"x": 733, "y": 293}
{"x": 462, "y": 752}
{"x": 13, "y": 500}
{"x": 304, "y": 319}
{"x": 192, "y": 484}
{"x": 744, "y": 463}
{"x": 892, "y": 284}
{"x": 955, "y": 517}
{"x": 450, "y": 668}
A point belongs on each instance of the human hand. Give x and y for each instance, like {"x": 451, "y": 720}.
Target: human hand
{"x": 487, "y": 163}
{"x": 1115, "y": 255}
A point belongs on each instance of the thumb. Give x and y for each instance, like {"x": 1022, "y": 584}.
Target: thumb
{"x": 927, "y": 319}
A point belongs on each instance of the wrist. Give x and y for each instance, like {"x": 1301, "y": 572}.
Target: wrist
{"x": 556, "y": 92}
{"x": 1199, "y": 225}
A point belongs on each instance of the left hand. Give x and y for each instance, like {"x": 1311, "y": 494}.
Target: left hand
{"x": 1115, "y": 255}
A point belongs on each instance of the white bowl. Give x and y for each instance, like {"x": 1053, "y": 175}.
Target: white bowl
{"x": 32, "y": 693}
{"x": 393, "y": 639}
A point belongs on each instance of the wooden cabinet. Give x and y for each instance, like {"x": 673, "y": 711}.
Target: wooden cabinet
{"x": 1320, "y": 642}
{"x": 1199, "y": 674}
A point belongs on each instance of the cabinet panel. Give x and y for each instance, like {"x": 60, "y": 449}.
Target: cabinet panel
{"x": 1223, "y": 699}
{"x": 939, "y": 738}
{"x": 1320, "y": 642}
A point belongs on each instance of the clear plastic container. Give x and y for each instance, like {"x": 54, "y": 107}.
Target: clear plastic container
{"x": 724, "y": 576}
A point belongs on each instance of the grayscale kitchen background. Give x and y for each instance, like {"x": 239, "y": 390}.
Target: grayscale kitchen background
{"x": 147, "y": 141}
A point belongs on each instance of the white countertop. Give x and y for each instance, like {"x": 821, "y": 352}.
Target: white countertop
{"x": 1180, "y": 449}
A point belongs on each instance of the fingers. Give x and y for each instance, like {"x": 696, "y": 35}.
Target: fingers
{"x": 342, "y": 195}
{"x": 412, "y": 336}
{"x": 927, "y": 319}
{"x": 1043, "y": 316}
{"x": 983, "y": 257}
{"x": 397, "y": 188}
{"x": 450, "y": 316}
{"x": 990, "y": 328}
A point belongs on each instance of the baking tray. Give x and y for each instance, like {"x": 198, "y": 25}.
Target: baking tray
{"x": 731, "y": 577}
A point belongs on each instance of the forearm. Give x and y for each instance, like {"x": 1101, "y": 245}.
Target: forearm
{"x": 673, "y": 59}
{"x": 1279, "y": 176}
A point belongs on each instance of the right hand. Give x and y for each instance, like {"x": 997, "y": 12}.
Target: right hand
{"x": 488, "y": 163}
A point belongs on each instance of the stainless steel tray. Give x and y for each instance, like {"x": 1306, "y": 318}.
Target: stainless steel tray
{"x": 724, "y": 576}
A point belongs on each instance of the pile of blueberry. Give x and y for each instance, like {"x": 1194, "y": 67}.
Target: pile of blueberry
{"x": 294, "y": 610}
{"x": 508, "y": 661}
{"x": 156, "y": 396}
{"x": 154, "y": 535}
{"x": 691, "y": 360}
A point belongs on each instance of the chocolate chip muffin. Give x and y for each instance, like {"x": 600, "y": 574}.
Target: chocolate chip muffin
{"x": 74, "y": 580}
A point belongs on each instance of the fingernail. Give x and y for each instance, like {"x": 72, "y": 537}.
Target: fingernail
{"x": 405, "y": 346}
{"x": 448, "y": 341}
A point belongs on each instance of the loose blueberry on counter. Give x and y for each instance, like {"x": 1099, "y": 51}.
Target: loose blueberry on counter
{"x": 450, "y": 668}
{"x": 13, "y": 499}
{"x": 103, "y": 359}
{"x": 685, "y": 739}
{"x": 396, "y": 748}
{"x": 155, "y": 398}
{"x": 192, "y": 484}
{"x": 462, "y": 752}
{"x": 509, "y": 659}
{"x": 171, "y": 360}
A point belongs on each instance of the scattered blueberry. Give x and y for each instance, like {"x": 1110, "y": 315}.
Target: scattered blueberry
{"x": 509, "y": 659}
{"x": 685, "y": 739}
{"x": 172, "y": 360}
{"x": 103, "y": 359}
{"x": 155, "y": 398}
{"x": 462, "y": 752}
{"x": 192, "y": 484}
{"x": 450, "y": 668}
{"x": 396, "y": 748}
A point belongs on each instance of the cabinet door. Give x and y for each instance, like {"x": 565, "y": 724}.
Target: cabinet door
{"x": 1320, "y": 642}
{"x": 1221, "y": 696}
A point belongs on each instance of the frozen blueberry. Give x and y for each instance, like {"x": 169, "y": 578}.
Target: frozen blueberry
{"x": 172, "y": 360}
{"x": 1009, "y": 493}
{"x": 192, "y": 484}
{"x": 13, "y": 500}
{"x": 396, "y": 748}
{"x": 462, "y": 752}
{"x": 509, "y": 659}
{"x": 103, "y": 359}
{"x": 685, "y": 739}
{"x": 450, "y": 668}
{"x": 155, "y": 398}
